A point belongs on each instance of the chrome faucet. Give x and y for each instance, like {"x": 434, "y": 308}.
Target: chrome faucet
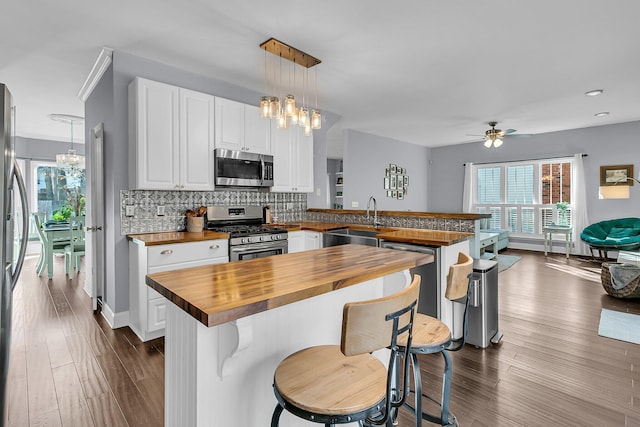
{"x": 375, "y": 211}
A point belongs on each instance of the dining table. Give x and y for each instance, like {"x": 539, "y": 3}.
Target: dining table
{"x": 55, "y": 232}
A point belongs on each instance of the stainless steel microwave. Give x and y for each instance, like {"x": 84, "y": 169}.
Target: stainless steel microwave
{"x": 241, "y": 169}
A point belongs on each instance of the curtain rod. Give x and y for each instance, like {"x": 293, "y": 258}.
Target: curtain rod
{"x": 526, "y": 160}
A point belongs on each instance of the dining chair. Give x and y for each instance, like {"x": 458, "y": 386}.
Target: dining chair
{"x": 75, "y": 248}
{"x": 58, "y": 247}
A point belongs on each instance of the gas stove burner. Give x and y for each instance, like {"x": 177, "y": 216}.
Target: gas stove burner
{"x": 247, "y": 230}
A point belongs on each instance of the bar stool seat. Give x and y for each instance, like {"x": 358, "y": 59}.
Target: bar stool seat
{"x": 430, "y": 335}
{"x": 307, "y": 379}
{"x": 333, "y": 384}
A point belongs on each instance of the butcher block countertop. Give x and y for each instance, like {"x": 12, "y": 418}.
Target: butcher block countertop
{"x": 217, "y": 294}
{"x": 424, "y": 237}
{"x": 165, "y": 238}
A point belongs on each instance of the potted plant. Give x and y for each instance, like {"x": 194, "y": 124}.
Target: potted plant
{"x": 562, "y": 212}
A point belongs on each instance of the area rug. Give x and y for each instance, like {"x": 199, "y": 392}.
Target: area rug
{"x": 620, "y": 326}
{"x": 506, "y": 261}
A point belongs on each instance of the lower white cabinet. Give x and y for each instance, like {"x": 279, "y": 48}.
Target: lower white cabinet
{"x": 147, "y": 308}
{"x": 304, "y": 240}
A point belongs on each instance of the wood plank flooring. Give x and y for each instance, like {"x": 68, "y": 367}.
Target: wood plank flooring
{"x": 68, "y": 368}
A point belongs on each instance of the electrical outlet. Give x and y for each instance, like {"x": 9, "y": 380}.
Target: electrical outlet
{"x": 318, "y": 192}
{"x": 160, "y": 211}
{"x": 354, "y": 204}
{"x": 129, "y": 210}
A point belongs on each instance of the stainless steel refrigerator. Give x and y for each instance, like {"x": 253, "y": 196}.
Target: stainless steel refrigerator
{"x": 13, "y": 235}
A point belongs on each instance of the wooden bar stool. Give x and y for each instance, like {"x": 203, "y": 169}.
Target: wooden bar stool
{"x": 333, "y": 384}
{"x": 432, "y": 336}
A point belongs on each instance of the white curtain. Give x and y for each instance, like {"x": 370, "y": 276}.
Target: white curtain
{"x": 579, "y": 198}
{"x": 467, "y": 193}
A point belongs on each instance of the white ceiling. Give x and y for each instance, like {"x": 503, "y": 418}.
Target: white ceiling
{"x": 422, "y": 71}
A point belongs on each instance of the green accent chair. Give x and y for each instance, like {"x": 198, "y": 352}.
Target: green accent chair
{"x": 612, "y": 235}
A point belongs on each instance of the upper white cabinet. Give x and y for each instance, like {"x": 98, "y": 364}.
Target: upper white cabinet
{"x": 240, "y": 127}
{"x": 171, "y": 137}
{"x": 292, "y": 160}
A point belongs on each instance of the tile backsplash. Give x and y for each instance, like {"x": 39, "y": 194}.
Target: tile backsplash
{"x": 285, "y": 207}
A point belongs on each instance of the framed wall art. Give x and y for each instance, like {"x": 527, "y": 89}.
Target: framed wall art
{"x": 616, "y": 175}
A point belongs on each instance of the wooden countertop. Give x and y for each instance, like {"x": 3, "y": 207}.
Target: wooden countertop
{"x": 405, "y": 235}
{"x": 425, "y": 237}
{"x": 151, "y": 239}
{"x": 216, "y": 294}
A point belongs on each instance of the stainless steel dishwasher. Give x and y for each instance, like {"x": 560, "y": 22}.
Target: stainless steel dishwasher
{"x": 429, "y": 301}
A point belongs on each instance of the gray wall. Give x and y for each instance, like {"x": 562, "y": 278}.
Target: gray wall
{"x": 109, "y": 104}
{"x": 365, "y": 159}
{"x": 605, "y": 145}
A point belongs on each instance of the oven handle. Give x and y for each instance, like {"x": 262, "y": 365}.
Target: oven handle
{"x": 253, "y": 247}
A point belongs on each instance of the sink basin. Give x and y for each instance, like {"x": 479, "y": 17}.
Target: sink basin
{"x": 345, "y": 236}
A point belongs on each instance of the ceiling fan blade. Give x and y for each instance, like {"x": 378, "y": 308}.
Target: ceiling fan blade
{"x": 519, "y": 135}
{"x": 505, "y": 132}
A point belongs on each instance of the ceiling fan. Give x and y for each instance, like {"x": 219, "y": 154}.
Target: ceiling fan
{"x": 494, "y": 137}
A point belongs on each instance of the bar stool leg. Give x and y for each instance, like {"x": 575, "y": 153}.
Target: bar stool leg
{"x": 446, "y": 390}
{"x": 417, "y": 385}
{"x": 275, "y": 418}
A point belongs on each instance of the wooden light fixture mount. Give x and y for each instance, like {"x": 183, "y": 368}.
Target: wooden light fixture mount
{"x": 285, "y": 51}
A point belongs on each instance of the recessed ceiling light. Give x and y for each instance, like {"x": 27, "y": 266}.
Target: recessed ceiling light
{"x": 595, "y": 92}
{"x": 602, "y": 114}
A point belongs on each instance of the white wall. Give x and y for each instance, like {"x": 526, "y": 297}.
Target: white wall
{"x": 365, "y": 159}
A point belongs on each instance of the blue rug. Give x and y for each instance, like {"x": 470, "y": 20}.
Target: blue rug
{"x": 620, "y": 326}
{"x": 506, "y": 261}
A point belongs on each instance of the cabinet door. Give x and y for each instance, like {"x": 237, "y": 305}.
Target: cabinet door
{"x": 196, "y": 140}
{"x": 155, "y": 135}
{"x": 257, "y": 131}
{"x": 303, "y": 163}
{"x": 229, "y": 124}
{"x": 311, "y": 240}
{"x": 281, "y": 145}
{"x": 296, "y": 242}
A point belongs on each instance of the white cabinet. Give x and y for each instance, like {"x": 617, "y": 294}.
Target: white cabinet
{"x": 312, "y": 240}
{"x": 171, "y": 137}
{"x": 147, "y": 308}
{"x": 304, "y": 240}
{"x": 240, "y": 127}
{"x": 292, "y": 160}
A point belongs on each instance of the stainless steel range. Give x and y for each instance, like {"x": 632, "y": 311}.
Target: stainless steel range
{"x": 248, "y": 238}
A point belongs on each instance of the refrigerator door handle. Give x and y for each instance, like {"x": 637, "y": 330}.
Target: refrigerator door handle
{"x": 25, "y": 224}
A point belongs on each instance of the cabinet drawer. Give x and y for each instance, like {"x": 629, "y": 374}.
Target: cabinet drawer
{"x": 183, "y": 252}
{"x": 156, "y": 314}
{"x": 488, "y": 242}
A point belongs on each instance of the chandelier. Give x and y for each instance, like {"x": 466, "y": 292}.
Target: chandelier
{"x": 70, "y": 162}
{"x": 287, "y": 110}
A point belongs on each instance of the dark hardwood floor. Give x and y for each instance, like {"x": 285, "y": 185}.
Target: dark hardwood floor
{"x": 551, "y": 368}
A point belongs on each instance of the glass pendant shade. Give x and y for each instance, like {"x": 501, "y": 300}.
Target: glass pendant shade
{"x": 497, "y": 143}
{"x": 316, "y": 119}
{"x": 488, "y": 143}
{"x": 307, "y": 129}
{"x": 264, "y": 106}
{"x": 69, "y": 160}
{"x": 274, "y": 107}
{"x": 290, "y": 105}
{"x": 294, "y": 118}
{"x": 303, "y": 116}
{"x": 282, "y": 120}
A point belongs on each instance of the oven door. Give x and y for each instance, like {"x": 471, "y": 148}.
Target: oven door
{"x": 257, "y": 250}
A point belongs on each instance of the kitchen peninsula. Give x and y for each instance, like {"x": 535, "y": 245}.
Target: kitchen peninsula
{"x": 229, "y": 325}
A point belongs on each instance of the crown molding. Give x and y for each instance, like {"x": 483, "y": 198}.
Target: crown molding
{"x": 99, "y": 67}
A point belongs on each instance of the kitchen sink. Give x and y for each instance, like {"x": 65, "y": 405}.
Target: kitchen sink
{"x": 345, "y": 236}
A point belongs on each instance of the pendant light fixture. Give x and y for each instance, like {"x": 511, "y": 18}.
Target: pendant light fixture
{"x": 291, "y": 111}
{"x": 70, "y": 162}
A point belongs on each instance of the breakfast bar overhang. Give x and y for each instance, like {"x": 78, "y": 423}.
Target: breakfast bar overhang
{"x": 229, "y": 325}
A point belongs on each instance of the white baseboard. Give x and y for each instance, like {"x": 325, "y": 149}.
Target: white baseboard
{"x": 115, "y": 320}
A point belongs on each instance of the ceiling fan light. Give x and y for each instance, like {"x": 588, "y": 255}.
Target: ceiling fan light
{"x": 487, "y": 143}
{"x": 497, "y": 143}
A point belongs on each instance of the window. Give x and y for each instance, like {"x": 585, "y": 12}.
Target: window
{"x": 51, "y": 187}
{"x": 523, "y": 197}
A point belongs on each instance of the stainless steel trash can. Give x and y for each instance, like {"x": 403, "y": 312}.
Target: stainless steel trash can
{"x": 482, "y": 323}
